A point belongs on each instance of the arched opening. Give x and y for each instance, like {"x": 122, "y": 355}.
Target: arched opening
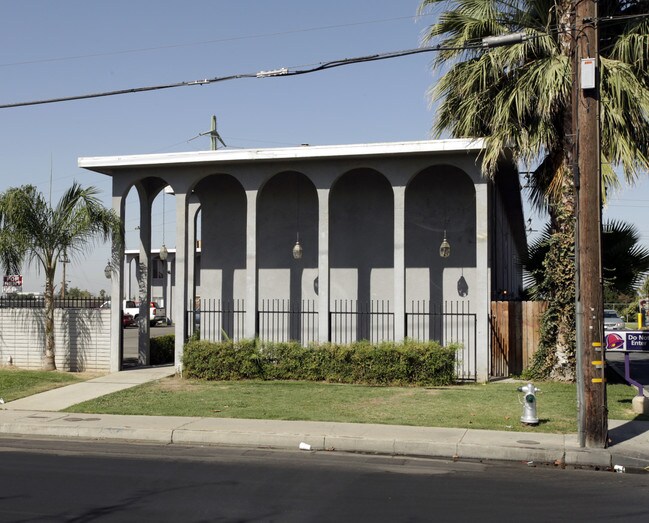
{"x": 361, "y": 242}
{"x": 440, "y": 204}
{"x": 287, "y": 213}
{"x": 149, "y": 222}
{"x": 221, "y": 272}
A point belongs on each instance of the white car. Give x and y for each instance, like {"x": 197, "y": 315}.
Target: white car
{"x": 156, "y": 313}
{"x": 612, "y": 321}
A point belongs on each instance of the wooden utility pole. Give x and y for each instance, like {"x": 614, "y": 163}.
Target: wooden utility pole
{"x": 592, "y": 409}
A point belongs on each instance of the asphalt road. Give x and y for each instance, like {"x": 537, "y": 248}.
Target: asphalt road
{"x": 53, "y": 480}
{"x": 638, "y": 367}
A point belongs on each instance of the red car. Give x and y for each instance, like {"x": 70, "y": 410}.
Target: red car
{"x": 127, "y": 320}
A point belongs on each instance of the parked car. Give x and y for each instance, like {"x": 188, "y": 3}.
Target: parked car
{"x": 127, "y": 320}
{"x": 156, "y": 313}
{"x": 612, "y": 321}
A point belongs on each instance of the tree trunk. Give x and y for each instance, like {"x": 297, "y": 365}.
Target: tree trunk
{"x": 48, "y": 361}
{"x": 560, "y": 262}
{"x": 555, "y": 357}
{"x": 563, "y": 365}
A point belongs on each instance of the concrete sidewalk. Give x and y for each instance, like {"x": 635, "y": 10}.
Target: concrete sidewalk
{"x": 37, "y": 416}
{"x": 64, "y": 397}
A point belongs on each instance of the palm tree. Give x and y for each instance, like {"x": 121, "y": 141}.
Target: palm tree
{"x": 624, "y": 261}
{"x": 519, "y": 97}
{"x": 32, "y": 230}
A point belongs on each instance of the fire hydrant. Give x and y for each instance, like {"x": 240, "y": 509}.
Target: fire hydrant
{"x": 529, "y": 404}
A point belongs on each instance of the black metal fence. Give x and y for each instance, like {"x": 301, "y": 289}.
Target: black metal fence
{"x": 351, "y": 320}
{"x": 13, "y": 301}
{"x": 217, "y": 320}
{"x": 283, "y": 320}
{"x": 450, "y": 322}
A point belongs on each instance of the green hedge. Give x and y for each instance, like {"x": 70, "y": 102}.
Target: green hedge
{"x": 407, "y": 363}
{"x": 162, "y": 349}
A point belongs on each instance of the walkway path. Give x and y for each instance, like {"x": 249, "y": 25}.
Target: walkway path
{"x": 64, "y": 397}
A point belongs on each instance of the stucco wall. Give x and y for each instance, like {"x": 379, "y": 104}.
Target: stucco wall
{"x": 371, "y": 219}
{"x": 82, "y": 338}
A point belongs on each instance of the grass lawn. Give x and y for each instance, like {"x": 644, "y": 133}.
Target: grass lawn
{"x": 16, "y": 383}
{"x": 492, "y": 406}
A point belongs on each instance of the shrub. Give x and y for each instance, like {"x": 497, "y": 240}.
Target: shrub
{"x": 407, "y": 363}
{"x": 162, "y": 349}
{"x": 221, "y": 361}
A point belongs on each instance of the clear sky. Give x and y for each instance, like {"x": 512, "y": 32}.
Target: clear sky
{"x": 55, "y": 49}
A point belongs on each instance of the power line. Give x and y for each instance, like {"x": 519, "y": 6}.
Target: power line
{"x": 261, "y": 74}
{"x": 621, "y": 17}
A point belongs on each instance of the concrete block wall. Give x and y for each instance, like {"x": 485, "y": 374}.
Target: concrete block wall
{"x": 82, "y": 339}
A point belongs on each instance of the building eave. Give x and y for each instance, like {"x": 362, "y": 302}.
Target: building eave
{"x": 110, "y": 164}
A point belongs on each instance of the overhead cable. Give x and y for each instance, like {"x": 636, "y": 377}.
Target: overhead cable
{"x": 284, "y": 71}
{"x": 261, "y": 74}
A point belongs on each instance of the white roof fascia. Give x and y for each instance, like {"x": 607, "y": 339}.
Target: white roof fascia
{"x": 101, "y": 163}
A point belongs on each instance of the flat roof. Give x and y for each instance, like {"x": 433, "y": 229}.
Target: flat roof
{"x": 108, "y": 164}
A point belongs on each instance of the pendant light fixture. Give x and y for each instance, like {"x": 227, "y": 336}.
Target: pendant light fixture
{"x": 445, "y": 247}
{"x": 297, "y": 248}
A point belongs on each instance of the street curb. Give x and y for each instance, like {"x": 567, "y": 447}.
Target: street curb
{"x": 291, "y": 441}
{"x": 391, "y": 440}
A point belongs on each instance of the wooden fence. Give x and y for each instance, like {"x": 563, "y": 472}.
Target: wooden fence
{"x": 514, "y": 329}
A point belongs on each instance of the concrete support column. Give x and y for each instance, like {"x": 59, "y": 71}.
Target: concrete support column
{"x": 180, "y": 317}
{"x": 250, "y": 330}
{"x": 143, "y": 274}
{"x": 192, "y": 213}
{"x": 483, "y": 279}
{"x": 399, "y": 263}
{"x": 117, "y": 295}
{"x": 323, "y": 265}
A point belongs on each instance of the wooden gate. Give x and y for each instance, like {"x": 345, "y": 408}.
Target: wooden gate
{"x": 514, "y": 327}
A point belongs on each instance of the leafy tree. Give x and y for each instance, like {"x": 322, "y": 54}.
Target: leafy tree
{"x": 519, "y": 97}
{"x": 77, "y": 293}
{"x": 644, "y": 288}
{"x": 32, "y": 230}
{"x": 633, "y": 302}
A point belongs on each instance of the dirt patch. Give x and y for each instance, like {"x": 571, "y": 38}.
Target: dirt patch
{"x": 433, "y": 392}
{"x": 391, "y": 399}
{"x": 177, "y": 384}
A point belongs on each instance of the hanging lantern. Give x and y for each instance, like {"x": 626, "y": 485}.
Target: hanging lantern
{"x": 445, "y": 248}
{"x": 163, "y": 252}
{"x": 297, "y": 249}
{"x": 108, "y": 270}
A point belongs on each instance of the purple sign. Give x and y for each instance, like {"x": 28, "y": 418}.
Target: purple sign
{"x": 627, "y": 340}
